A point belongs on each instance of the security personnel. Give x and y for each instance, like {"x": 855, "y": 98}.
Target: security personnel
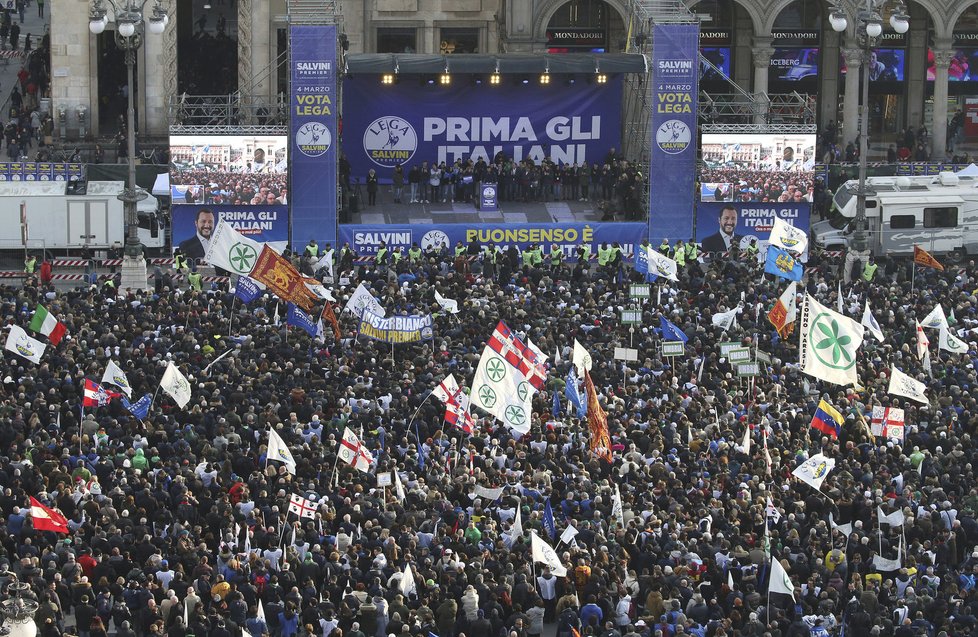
{"x": 196, "y": 280}
{"x": 30, "y": 264}
{"x": 396, "y": 255}
{"x": 346, "y": 257}
{"x": 604, "y": 255}
{"x": 180, "y": 261}
{"x": 680, "y": 254}
{"x": 556, "y": 256}
{"x": 414, "y": 253}
{"x": 381, "y": 258}
{"x": 312, "y": 250}
{"x": 664, "y": 248}
{"x": 752, "y": 250}
{"x": 869, "y": 270}
{"x": 537, "y": 255}
{"x": 584, "y": 253}
{"x": 459, "y": 249}
{"x": 490, "y": 257}
{"x": 527, "y": 256}
{"x": 692, "y": 251}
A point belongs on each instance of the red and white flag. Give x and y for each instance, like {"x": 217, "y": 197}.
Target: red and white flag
{"x": 302, "y": 507}
{"x": 888, "y": 422}
{"x": 457, "y": 412}
{"x": 96, "y": 395}
{"x": 353, "y": 452}
{"x": 45, "y": 519}
{"x": 446, "y": 388}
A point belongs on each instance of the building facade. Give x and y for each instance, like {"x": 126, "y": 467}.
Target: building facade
{"x": 221, "y": 47}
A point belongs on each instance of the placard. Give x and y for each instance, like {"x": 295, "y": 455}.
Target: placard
{"x": 739, "y": 355}
{"x": 673, "y": 348}
{"x": 726, "y": 346}
{"x": 626, "y": 354}
{"x": 640, "y": 291}
{"x": 631, "y": 317}
{"x": 384, "y": 479}
{"x": 748, "y": 369}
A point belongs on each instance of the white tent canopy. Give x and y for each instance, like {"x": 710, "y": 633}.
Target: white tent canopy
{"x": 162, "y": 186}
{"x": 970, "y": 171}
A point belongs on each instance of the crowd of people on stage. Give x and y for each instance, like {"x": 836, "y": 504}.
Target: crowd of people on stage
{"x": 179, "y": 522}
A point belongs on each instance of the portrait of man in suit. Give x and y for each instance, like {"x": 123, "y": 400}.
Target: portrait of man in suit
{"x": 727, "y": 236}
{"x": 196, "y": 246}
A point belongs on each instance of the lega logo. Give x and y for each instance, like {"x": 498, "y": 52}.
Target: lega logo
{"x": 434, "y": 239}
{"x": 390, "y": 140}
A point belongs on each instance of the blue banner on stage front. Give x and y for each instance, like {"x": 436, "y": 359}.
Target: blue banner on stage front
{"x": 672, "y": 170}
{"x": 314, "y": 133}
{"x": 409, "y": 122}
{"x": 366, "y": 239}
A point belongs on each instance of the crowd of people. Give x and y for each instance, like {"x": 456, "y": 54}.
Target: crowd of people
{"x": 183, "y": 514}
{"x": 744, "y": 184}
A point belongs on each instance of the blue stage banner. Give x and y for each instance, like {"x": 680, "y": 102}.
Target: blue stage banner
{"x": 672, "y": 170}
{"x": 314, "y": 133}
{"x": 396, "y": 329}
{"x": 261, "y": 223}
{"x": 365, "y": 239}
{"x": 409, "y": 123}
{"x": 742, "y": 222}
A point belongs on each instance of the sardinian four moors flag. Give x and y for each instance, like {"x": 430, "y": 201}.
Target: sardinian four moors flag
{"x": 508, "y": 375}
{"x": 829, "y": 342}
{"x": 353, "y": 452}
{"x": 302, "y": 507}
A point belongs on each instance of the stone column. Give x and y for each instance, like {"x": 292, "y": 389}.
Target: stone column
{"x": 762, "y": 64}
{"x": 74, "y": 81}
{"x": 519, "y": 26}
{"x": 158, "y": 76}
{"x": 938, "y": 126}
{"x": 850, "y": 105}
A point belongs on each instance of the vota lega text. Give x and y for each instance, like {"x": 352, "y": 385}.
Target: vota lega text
{"x": 486, "y": 136}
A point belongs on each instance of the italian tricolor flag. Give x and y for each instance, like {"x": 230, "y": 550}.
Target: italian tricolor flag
{"x": 45, "y": 323}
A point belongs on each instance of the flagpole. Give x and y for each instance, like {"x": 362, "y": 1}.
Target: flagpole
{"x": 81, "y": 410}
{"x": 913, "y": 275}
{"x": 231, "y": 316}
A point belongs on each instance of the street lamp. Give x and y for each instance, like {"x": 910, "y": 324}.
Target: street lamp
{"x": 130, "y": 25}
{"x": 867, "y": 26}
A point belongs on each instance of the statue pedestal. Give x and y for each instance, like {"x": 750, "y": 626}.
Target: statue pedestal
{"x": 18, "y": 611}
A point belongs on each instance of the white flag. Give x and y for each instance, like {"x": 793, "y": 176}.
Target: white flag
{"x": 829, "y": 342}
{"x": 725, "y": 320}
{"x": 277, "y": 450}
{"x": 772, "y": 511}
{"x": 838, "y": 298}
{"x": 541, "y": 357}
{"x": 869, "y": 322}
{"x": 936, "y": 319}
{"x": 745, "y": 445}
{"x": 500, "y": 388}
{"x": 617, "y": 508}
{"x": 951, "y": 343}
{"x": 353, "y": 452}
{"x": 903, "y": 385}
{"x": 232, "y": 251}
{"x": 407, "y": 584}
{"x": 884, "y": 565}
{"x": 115, "y": 376}
{"x": 582, "y": 360}
{"x": 786, "y": 236}
{"x": 176, "y": 385}
{"x": 894, "y": 519}
{"x": 814, "y": 470}
{"x": 845, "y": 529}
{"x": 362, "y": 299}
{"x": 923, "y": 343}
{"x": 261, "y": 611}
{"x": 399, "y": 488}
{"x": 544, "y": 554}
{"x": 448, "y": 305}
{"x": 21, "y": 344}
{"x": 325, "y": 261}
{"x": 569, "y": 534}
{"x": 780, "y": 582}
{"x": 661, "y": 265}
{"x": 516, "y": 529}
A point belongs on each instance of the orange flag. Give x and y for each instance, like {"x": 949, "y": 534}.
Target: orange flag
{"x": 282, "y": 279}
{"x": 330, "y": 317}
{"x": 597, "y": 421}
{"x": 924, "y": 258}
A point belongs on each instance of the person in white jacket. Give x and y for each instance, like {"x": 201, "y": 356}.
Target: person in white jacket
{"x": 621, "y": 610}
{"x": 470, "y": 603}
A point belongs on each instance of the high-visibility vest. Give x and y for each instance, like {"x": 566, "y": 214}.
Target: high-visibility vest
{"x": 196, "y": 281}
{"x": 752, "y": 250}
{"x": 692, "y": 251}
{"x": 556, "y": 255}
{"x": 30, "y": 265}
{"x": 680, "y": 256}
{"x": 459, "y": 249}
{"x": 414, "y": 254}
{"x": 179, "y": 262}
{"x": 396, "y": 255}
{"x": 664, "y": 248}
{"x": 381, "y": 256}
{"x": 869, "y": 271}
{"x": 313, "y": 250}
{"x": 604, "y": 256}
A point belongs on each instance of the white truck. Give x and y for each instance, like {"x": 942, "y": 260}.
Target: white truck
{"x": 938, "y": 213}
{"x": 52, "y": 219}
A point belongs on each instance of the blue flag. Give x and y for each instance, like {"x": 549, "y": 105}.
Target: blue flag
{"x": 140, "y": 408}
{"x": 298, "y": 318}
{"x": 642, "y": 263}
{"x": 548, "y": 521}
{"x": 573, "y": 394}
{"x": 247, "y": 290}
{"x": 670, "y": 332}
{"x": 420, "y": 456}
{"x": 555, "y": 410}
{"x": 781, "y": 264}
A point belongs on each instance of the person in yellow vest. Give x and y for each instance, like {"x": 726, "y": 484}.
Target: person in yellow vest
{"x": 414, "y": 253}
{"x": 312, "y": 250}
{"x": 604, "y": 255}
{"x": 459, "y": 249}
{"x": 556, "y": 257}
{"x": 196, "y": 280}
{"x": 30, "y": 264}
{"x": 680, "y": 256}
{"x": 382, "y": 254}
{"x": 664, "y": 248}
{"x": 692, "y": 251}
{"x": 527, "y": 256}
{"x": 538, "y": 255}
{"x": 180, "y": 263}
{"x": 869, "y": 270}
{"x": 396, "y": 255}
{"x": 751, "y": 251}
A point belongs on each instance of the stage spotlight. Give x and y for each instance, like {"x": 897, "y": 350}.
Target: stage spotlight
{"x": 387, "y": 78}
{"x": 445, "y": 79}
{"x": 545, "y": 78}
{"x": 601, "y": 78}
{"x": 571, "y": 81}
{"x": 495, "y": 78}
